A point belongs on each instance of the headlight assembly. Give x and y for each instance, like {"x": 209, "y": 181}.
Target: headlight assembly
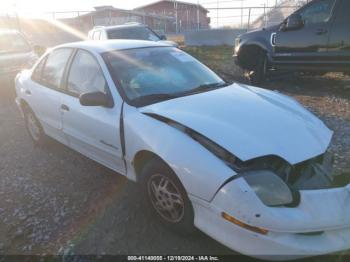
{"x": 237, "y": 41}
{"x": 270, "y": 188}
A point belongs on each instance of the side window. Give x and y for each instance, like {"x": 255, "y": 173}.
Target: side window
{"x": 317, "y": 12}
{"x": 36, "y": 76}
{"x": 96, "y": 35}
{"x": 85, "y": 75}
{"x": 54, "y": 67}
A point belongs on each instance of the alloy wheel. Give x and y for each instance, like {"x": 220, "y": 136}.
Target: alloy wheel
{"x": 33, "y": 126}
{"x": 166, "y": 198}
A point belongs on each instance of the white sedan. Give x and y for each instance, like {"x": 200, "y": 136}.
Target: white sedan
{"x": 247, "y": 166}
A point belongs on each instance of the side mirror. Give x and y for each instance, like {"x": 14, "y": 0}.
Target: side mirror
{"x": 163, "y": 37}
{"x": 39, "y": 50}
{"x": 95, "y": 99}
{"x": 294, "y": 22}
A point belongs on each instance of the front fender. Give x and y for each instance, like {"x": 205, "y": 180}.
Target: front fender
{"x": 200, "y": 172}
{"x": 259, "y": 42}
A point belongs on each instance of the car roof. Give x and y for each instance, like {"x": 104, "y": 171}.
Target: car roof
{"x": 108, "y": 28}
{"x": 102, "y": 46}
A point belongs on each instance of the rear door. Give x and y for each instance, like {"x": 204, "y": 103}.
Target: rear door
{"x": 308, "y": 44}
{"x": 339, "y": 44}
{"x": 91, "y": 130}
{"x": 44, "y": 95}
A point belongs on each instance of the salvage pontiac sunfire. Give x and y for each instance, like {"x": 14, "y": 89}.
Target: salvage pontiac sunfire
{"x": 247, "y": 166}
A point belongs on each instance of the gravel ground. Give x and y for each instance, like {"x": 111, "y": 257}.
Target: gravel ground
{"x": 55, "y": 201}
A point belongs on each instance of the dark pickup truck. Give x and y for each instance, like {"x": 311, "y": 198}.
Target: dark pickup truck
{"x": 315, "y": 38}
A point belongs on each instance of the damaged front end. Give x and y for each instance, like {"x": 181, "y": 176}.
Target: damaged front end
{"x": 274, "y": 180}
{"x": 315, "y": 173}
{"x": 278, "y": 183}
{"x": 304, "y": 209}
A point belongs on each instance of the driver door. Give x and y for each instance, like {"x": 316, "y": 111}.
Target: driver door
{"x": 91, "y": 130}
{"x": 309, "y": 43}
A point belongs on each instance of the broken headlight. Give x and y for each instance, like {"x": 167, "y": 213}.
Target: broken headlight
{"x": 269, "y": 187}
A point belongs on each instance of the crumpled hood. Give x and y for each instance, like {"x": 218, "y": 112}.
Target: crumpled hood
{"x": 250, "y": 122}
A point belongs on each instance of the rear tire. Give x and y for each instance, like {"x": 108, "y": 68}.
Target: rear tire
{"x": 34, "y": 128}
{"x": 258, "y": 74}
{"x": 166, "y": 197}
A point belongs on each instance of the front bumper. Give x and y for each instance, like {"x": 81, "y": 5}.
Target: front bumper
{"x": 274, "y": 245}
{"x": 313, "y": 228}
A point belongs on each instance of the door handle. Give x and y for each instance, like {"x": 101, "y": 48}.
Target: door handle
{"x": 27, "y": 92}
{"x": 64, "y": 107}
{"x": 321, "y": 31}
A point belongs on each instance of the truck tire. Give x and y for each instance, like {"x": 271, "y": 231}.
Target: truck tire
{"x": 258, "y": 74}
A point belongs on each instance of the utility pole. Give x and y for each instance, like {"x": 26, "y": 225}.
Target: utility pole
{"x": 217, "y": 13}
{"x": 175, "y": 9}
{"x": 198, "y": 15}
{"x": 241, "y": 13}
{"x": 188, "y": 20}
{"x": 265, "y": 18}
{"x": 17, "y": 18}
{"x": 248, "y": 26}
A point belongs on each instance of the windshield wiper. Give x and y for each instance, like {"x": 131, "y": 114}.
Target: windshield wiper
{"x": 154, "y": 98}
{"x": 205, "y": 88}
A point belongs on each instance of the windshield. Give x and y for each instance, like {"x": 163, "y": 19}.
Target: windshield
{"x": 138, "y": 33}
{"x": 10, "y": 43}
{"x": 150, "y": 74}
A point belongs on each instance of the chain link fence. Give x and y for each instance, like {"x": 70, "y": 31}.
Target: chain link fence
{"x": 221, "y": 14}
{"x": 226, "y": 15}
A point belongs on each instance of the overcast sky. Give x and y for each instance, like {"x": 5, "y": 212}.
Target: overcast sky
{"x": 35, "y": 7}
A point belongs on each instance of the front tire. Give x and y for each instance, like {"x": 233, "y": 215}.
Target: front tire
{"x": 258, "y": 74}
{"x": 34, "y": 127}
{"x": 166, "y": 197}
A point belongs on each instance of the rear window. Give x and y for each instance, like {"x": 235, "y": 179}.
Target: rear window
{"x": 13, "y": 43}
{"x": 138, "y": 33}
{"x": 53, "y": 69}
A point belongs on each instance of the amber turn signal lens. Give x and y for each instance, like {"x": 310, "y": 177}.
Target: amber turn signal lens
{"x": 241, "y": 224}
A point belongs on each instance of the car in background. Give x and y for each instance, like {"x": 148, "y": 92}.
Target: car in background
{"x": 314, "y": 39}
{"x": 134, "y": 31}
{"x": 247, "y": 166}
{"x": 16, "y": 54}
